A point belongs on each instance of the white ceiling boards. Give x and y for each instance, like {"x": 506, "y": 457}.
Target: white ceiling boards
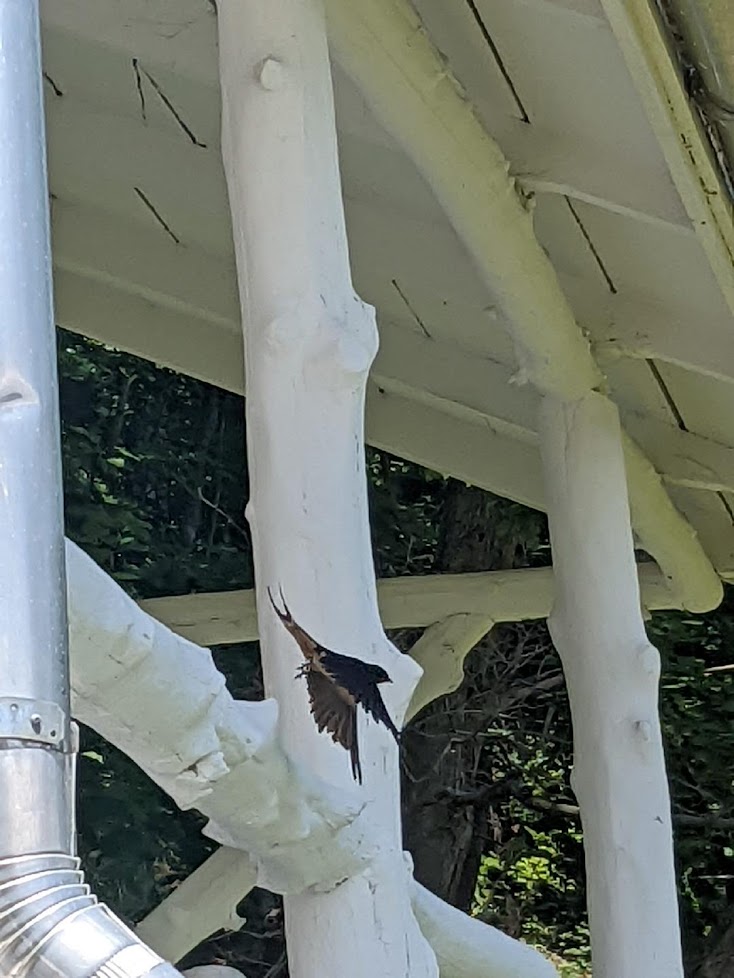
{"x": 143, "y": 254}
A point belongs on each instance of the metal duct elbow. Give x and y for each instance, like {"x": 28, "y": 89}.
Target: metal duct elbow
{"x": 51, "y": 926}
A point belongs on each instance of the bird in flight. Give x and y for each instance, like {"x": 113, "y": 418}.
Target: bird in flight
{"x": 336, "y": 685}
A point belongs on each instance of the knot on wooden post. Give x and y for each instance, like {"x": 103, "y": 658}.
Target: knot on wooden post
{"x": 271, "y": 74}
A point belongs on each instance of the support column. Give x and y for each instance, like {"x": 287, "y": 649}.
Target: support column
{"x": 612, "y": 673}
{"x": 309, "y": 343}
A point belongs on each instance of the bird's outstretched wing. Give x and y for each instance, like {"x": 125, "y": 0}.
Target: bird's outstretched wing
{"x": 335, "y": 715}
{"x": 308, "y": 645}
{"x": 373, "y": 704}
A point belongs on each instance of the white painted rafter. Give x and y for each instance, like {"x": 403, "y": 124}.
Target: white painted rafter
{"x": 647, "y": 53}
{"x": 431, "y": 375}
{"x": 145, "y": 272}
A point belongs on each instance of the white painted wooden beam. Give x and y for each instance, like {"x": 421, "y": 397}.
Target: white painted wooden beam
{"x": 417, "y": 432}
{"x": 228, "y": 617}
{"x": 673, "y": 118}
{"x": 309, "y": 344}
{"x": 664, "y": 532}
{"x": 408, "y": 368}
{"x": 162, "y": 334}
{"x": 445, "y": 377}
{"x": 612, "y": 675}
{"x": 440, "y": 652}
{"x": 410, "y": 90}
{"x": 203, "y": 903}
{"x": 139, "y": 258}
{"x": 467, "y": 948}
{"x": 472, "y": 450}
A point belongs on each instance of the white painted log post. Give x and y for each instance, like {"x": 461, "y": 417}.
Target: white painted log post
{"x": 612, "y": 674}
{"x": 309, "y": 343}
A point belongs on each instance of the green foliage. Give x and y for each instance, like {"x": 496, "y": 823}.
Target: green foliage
{"x": 134, "y": 842}
{"x": 154, "y": 473}
{"x": 698, "y": 724}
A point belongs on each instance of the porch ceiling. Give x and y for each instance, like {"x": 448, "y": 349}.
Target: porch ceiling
{"x": 143, "y": 256}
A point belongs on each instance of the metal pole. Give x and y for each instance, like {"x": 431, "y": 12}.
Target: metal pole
{"x": 50, "y": 924}
{"x": 34, "y": 693}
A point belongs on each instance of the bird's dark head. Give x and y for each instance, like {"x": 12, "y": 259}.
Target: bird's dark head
{"x": 379, "y": 675}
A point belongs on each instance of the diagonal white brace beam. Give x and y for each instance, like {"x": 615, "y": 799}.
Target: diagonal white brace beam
{"x": 612, "y": 675}
{"x": 205, "y": 902}
{"x": 465, "y": 947}
{"x": 381, "y": 44}
{"x": 440, "y": 652}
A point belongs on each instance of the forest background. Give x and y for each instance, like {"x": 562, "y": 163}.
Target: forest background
{"x": 155, "y": 481}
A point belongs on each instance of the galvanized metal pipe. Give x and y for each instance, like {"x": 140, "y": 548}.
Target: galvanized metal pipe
{"x": 50, "y": 924}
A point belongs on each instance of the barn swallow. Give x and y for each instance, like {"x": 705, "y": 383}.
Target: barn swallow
{"x": 336, "y": 685}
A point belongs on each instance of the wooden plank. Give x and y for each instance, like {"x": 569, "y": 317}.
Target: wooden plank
{"x": 674, "y": 121}
{"x": 226, "y": 618}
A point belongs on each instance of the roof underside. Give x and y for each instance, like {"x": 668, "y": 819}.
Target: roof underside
{"x": 143, "y": 254}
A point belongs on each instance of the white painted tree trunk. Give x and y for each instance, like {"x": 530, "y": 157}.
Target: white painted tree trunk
{"x": 612, "y": 674}
{"x": 309, "y": 343}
